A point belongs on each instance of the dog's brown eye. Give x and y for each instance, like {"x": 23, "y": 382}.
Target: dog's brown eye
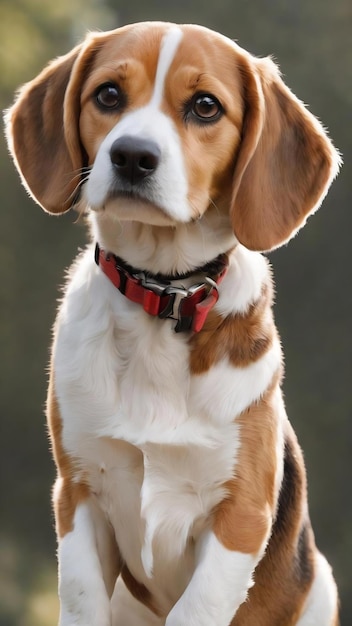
{"x": 206, "y": 108}
{"x": 108, "y": 96}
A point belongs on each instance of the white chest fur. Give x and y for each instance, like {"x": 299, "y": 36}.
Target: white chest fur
{"x": 156, "y": 443}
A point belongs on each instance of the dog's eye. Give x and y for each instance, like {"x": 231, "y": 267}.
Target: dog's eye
{"x": 108, "y": 96}
{"x": 206, "y": 108}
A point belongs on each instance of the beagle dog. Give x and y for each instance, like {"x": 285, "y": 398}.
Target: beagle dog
{"x": 181, "y": 491}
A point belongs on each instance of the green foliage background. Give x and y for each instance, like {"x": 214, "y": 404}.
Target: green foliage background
{"x": 312, "y": 42}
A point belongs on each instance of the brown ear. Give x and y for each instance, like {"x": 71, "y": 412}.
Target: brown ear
{"x": 285, "y": 162}
{"x": 46, "y": 149}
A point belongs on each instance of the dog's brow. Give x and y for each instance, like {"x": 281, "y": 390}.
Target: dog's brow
{"x": 169, "y": 45}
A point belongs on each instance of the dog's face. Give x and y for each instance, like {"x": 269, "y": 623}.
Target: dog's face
{"x": 160, "y": 128}
{"x": 172, "y": 122}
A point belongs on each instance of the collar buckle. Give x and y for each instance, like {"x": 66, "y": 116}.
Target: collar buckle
{"x": 173, "y": 307}
{"x": 149, "y": 283}
{"x": 189, "y": 307}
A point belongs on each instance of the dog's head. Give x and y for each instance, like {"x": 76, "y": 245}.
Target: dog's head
{"x": 164, "y": 123}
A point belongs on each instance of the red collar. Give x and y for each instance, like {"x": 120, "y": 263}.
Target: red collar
{"x": 189, "y": 306}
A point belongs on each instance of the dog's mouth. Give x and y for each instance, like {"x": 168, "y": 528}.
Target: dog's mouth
{"x": 134, "y": 195}
{"x": 136, "y": 205}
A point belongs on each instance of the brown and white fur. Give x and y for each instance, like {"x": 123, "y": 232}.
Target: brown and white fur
{"x": 181, "y": 490}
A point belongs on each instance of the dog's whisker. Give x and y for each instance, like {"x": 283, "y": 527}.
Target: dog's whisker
{"x": 74, "y": 193}
{"x": 78, "y": 173}
{"x": 213, "y": 204}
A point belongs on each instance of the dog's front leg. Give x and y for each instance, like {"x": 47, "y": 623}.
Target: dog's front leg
{"x": 218, "y": 586}
{"x": 229, "y": 551}
{"x": 84, "y": 598}
{"x": 88, "y": 555}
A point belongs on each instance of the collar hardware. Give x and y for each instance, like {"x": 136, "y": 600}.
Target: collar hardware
{"x": 189, "y": 307}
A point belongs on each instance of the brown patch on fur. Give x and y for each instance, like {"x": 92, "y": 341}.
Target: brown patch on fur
{"x": 284, "y": 576}
{"x": 243, "y": 338}
{"x": 139, "y": 591}
{"x": 68, "y": 493}
{"x": 243, "y": 519}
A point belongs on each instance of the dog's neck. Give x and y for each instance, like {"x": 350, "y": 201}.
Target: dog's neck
{"x": 168, "y": 250}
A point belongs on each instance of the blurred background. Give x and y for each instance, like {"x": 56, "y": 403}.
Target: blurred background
{"x": 311, "y": 40}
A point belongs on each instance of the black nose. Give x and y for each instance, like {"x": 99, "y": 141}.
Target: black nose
{"x": 134, "y": 158}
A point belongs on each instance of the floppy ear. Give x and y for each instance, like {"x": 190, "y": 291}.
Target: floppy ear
{"x": 43, "y": 134}
{"x": 285, "y": 162}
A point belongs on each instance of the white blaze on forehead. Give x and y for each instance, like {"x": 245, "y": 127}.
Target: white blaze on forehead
{"x": 169, "y": 45}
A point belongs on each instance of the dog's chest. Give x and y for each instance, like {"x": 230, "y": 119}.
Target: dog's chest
{"x": 135, "y": 420}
